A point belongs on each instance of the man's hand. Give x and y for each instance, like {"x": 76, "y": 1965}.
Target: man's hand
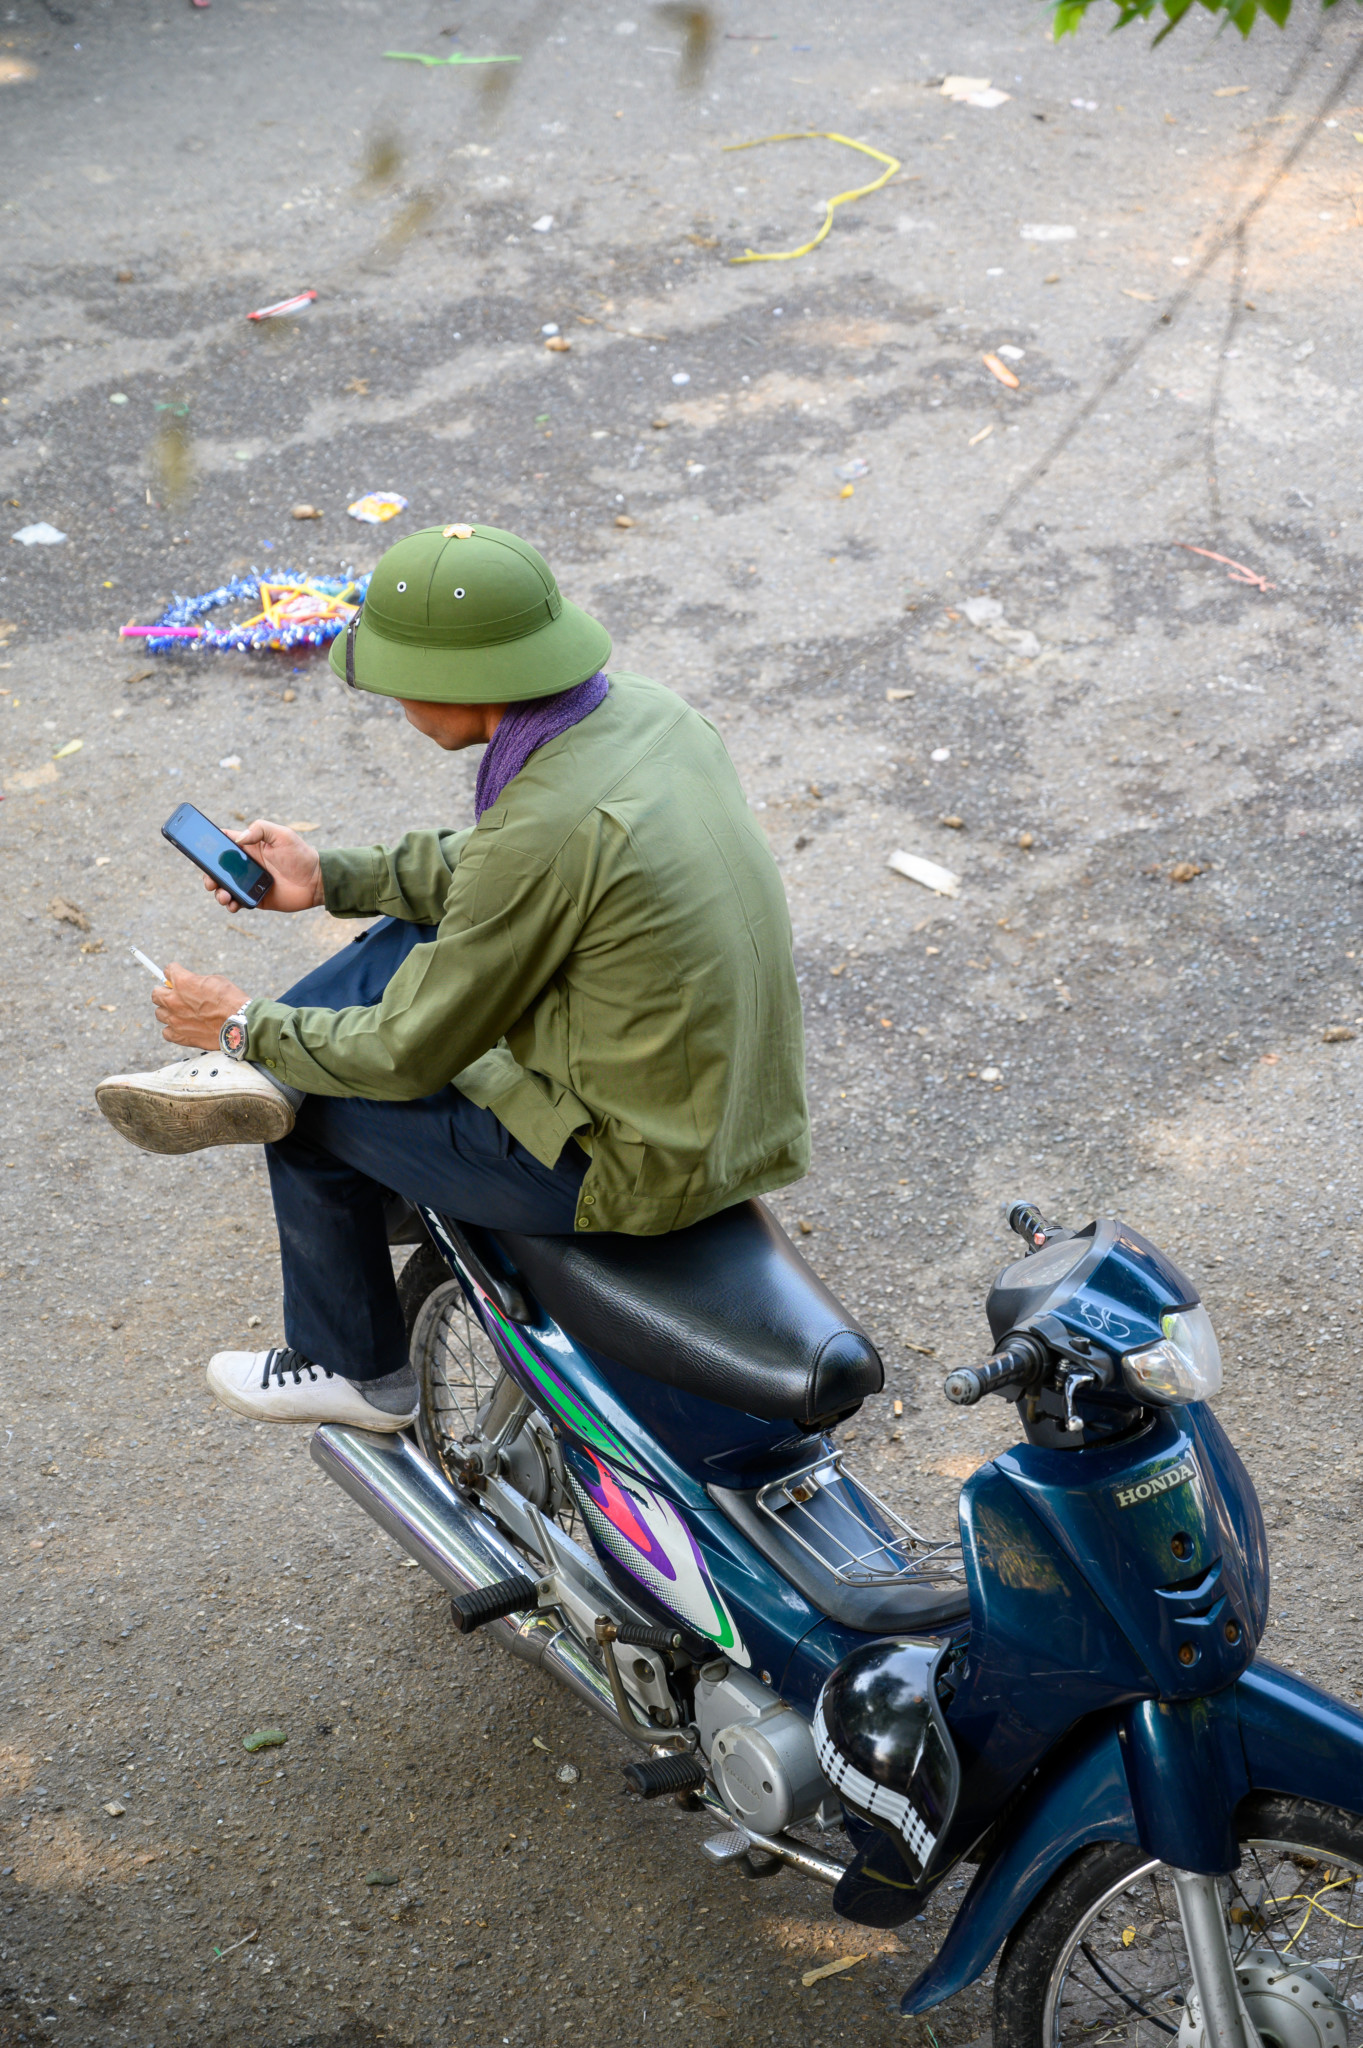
{"x": 295, "y": 866}
{"x": 196, "y": 1006}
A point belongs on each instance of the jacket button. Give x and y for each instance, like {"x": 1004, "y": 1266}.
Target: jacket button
{"x": 587, "y": 1201}
{"x": 584, "y": 1222}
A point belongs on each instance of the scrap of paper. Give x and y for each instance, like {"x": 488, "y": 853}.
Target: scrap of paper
{"x": 377, "y": 506}
{"x": 416, "y": 57}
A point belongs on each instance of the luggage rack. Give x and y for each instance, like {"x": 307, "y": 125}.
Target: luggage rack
{"x": 851, "y": 1533}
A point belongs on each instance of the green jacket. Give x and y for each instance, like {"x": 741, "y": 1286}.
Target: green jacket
{"x": 613, "y": 964}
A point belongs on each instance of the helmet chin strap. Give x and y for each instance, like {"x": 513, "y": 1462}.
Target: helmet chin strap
{"x": 350, "y": 632}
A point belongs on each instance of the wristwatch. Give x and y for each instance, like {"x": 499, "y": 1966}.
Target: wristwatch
{"x": 234, "y": 1034}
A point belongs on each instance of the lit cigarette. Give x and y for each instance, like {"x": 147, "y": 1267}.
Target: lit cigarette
{"x": 151, "y": 967}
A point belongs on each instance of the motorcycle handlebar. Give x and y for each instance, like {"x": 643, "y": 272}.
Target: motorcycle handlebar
{"x": 1015, "y": 1366}
{"x": 1027, "y": 1221}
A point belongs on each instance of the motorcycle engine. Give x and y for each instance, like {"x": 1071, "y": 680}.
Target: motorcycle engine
{"x": 761, "y": 1752}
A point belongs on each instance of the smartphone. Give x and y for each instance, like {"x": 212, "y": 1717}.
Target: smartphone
{"x": 196, "y": 836}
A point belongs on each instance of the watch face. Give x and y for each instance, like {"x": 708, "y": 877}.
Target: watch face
{"x": 234, "y": 1037}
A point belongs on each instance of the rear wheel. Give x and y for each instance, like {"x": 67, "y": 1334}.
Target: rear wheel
{"x": 452, "y": 1356}
{"x": 457, "y": 1369}
{"x": 1099, "y": 1956}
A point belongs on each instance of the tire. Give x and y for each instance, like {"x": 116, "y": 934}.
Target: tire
{"x": 422, "y": 1274}
{"x": 453, "y": 1359}
{"x": 1067, "y": 1975}
{"x": 456, "y": 1369}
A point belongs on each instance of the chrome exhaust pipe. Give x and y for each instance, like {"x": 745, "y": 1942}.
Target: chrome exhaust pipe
{"x": 463, "y": 1550}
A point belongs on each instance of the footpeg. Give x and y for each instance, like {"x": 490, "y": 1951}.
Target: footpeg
{"x": 653, "y": 1776}
{"x": 483, "y": 1604}
{"x": 726, "y": 1848}
{"x": 645, "y": 1636}
{"x": 734, "y": 1851}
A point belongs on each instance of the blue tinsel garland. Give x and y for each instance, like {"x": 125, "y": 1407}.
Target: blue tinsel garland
{"x": 189, "y": 611}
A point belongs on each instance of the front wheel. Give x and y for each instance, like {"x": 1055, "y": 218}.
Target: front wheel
{"x": 1099, "y": 1956}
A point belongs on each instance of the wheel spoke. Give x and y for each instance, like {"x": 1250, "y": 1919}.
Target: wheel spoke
{"x": 457, "y": 1369}
{"x": 1125, "y": 1996}
{"x": 1291, "y": 1906}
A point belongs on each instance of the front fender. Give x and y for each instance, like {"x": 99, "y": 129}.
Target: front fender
{"x": 1298, "y": 1739}
{"x": 1081, "y": 1796}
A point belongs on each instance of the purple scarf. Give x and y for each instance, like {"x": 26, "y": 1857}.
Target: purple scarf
{"x": 527, "y": 726}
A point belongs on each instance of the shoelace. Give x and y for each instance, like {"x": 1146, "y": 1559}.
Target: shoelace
{"x": 278, "y": 1363}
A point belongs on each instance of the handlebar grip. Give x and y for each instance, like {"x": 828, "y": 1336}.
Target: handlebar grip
{"x": 1012, "y": 1367}
{"x": 1029, "y": 1224}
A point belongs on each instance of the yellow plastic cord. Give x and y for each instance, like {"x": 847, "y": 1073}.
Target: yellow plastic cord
{"x": 816, "y": 135}
{"x": 1312, "y": 1903}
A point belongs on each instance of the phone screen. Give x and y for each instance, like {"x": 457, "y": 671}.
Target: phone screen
{"x": 199, "y": 838}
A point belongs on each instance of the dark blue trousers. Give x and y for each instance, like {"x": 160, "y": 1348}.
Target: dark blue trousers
{"x": 330, "y": 1175}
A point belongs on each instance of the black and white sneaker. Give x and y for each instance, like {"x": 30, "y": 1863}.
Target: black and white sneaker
{"x": 283, "y": 1386}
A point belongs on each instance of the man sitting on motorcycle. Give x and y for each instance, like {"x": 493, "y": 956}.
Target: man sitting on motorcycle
{"x": 578, "y": 1014}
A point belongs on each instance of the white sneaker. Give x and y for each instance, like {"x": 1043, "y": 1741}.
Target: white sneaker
{"x": 205, "y": 1099}
{"x": 282, "y": 1386}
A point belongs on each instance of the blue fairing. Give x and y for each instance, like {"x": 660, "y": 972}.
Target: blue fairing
{"x": 1236, "y": 1506}
{"x": 1080, "y": 1606}
{"x": 1300, "y": 1740}
{"x": 1293, "y": 1739}
{"x": 1081, "y": 1797}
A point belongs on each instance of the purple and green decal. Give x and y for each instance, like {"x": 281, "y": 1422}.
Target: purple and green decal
{"x": 647, "y": 1535}
{"x": 558, "y": 1396}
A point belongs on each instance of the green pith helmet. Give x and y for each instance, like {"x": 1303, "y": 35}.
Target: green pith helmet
{"x": 467, "y": 615}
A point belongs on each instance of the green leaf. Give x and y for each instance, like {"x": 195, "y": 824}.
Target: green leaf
{"x": 1066, "y": 17}
{"x": 1175, "y": 9}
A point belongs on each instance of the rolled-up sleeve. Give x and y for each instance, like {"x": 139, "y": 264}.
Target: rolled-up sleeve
{"x": 506, "y": 928}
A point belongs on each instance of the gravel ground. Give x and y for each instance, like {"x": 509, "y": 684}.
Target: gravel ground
{"x": 1078, "y": 1025}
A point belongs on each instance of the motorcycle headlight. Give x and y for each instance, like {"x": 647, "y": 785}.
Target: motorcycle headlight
{"x": 1185, "y": 1366}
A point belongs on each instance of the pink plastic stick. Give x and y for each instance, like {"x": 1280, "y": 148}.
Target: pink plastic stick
{"x": 294, "y": 305}
{"x": 160, "y": 632}
{"x": 1238, "y": 572}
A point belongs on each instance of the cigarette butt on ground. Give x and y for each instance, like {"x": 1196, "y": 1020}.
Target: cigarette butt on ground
{"x": 831, "y": 1969}
{"x": 927, "y": 872}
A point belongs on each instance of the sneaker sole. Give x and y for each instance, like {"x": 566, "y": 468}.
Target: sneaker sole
{"x": 381, "y": 1424}
{"x": 158, "y": 1122}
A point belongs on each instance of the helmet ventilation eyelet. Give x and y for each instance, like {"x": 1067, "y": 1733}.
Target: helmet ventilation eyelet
{"x": 402, "y": 586}
{"x": 459, "y": 593}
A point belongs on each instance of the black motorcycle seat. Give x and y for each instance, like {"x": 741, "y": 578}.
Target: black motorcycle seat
{"x": 726, "y": 1309}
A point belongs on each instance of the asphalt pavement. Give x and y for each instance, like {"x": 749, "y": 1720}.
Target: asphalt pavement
{"x": 1014, "y": 527}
